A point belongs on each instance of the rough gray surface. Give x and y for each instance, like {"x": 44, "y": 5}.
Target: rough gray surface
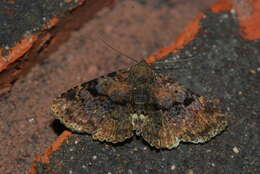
{"x": 226, "y": 67}
{"x": 28, "y": 17}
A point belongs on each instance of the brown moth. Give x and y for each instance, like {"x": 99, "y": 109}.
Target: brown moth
{"x": 139, "y": 101}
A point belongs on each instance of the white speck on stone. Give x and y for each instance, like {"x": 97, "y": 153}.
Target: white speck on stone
{"x": 94, "y": 157}
{"x": 213, "y": 164}
{"x": 173, "y": 167}
{"x": 174, "y": 59}
{"x": 228, "y": 108}
{"x": 31, "y": 120}
{"x": 84, "y": 166}
{"x": 240, "y": 93}
{"x": 130, "y": 171}
{"x": 145, "y": 148}
{"x": 76, "y": 142}
{"x": 109, "y": 172}
{"x": 236, "y": 150}
{"x": 70, "y": 172}
{"x": 71, "y": 149}
{"x": 208, "y": 151}
{"x": 44, "y": 18}
{"x": 258, "y": 69}
{"x": 135, "y": 149}
{"x": 233, "y": 11}
{"x": 28, "y": 32}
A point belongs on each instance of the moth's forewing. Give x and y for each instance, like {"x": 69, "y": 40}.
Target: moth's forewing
{"x": 85, "y": 109}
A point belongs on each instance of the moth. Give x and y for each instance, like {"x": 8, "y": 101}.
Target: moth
{"x": 139, "y": 101}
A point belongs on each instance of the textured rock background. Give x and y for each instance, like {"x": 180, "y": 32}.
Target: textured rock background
{"x": 224, "y": 65}
{"x": 137, "y": 28}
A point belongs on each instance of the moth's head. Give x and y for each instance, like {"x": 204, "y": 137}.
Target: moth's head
{"x": 141, "y": 73}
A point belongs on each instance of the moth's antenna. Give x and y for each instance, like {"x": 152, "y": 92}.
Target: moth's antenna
{"x": 116, "y": 50}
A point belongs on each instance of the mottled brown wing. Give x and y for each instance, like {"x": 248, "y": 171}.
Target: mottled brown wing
{"x": 184, "y": 117}
{"x": 167, "y": 92}
{"x": 93, "y": 108}
{"x": 196, "y": 123}
{"x": 116, "y": 127}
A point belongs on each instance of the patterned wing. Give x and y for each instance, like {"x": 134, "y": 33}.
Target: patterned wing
{"x": 187, "y": 117}
{"x": 94, "y": 107}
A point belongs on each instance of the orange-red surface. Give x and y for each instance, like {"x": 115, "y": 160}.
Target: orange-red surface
{"x": 248, "y": 12}
{"x": 44, "y": 157}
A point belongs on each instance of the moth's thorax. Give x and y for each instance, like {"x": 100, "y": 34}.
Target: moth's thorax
{"x": 141, "y": 73}
{"x": 141, "y": 78}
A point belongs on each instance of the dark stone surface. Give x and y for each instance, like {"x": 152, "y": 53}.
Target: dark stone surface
{"x": 28, "y": 17}
{"x": 225, "y": 66}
